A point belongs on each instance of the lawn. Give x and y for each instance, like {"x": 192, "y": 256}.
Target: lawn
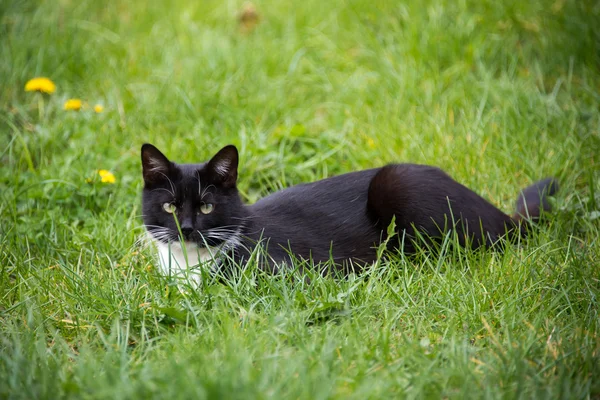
{"x": 497, "y": 93}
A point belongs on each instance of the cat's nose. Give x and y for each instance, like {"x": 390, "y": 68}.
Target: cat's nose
{"x": 187, "y": 231}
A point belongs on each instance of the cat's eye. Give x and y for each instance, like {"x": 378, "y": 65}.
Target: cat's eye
{"x": 206, "y": 208}
{"x": 169, "y": 207}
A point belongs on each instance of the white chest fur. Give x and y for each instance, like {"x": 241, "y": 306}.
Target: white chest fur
{"x": 174, "y": 261}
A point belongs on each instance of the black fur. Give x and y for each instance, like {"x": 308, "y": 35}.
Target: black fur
{"x": 344, "y": 218}
{"x": 533, "y": 200}
{"x": 188, "y": 187}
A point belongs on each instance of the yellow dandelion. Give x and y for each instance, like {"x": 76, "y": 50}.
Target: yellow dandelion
{"x": 106, "y": 176}
{"x": 40, "y": 84}
{"x": 98, "y": 108}
{"x": 371, "y": 143}
{"x": 248, "y": 18}
{"x": 73, "y": 105}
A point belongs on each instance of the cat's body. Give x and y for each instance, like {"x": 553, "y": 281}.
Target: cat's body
{"x": 322, "y": 220}
{"x": 343, "y": 218}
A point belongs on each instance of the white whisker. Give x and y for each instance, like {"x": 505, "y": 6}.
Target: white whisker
{"x": 165, "y": 189}
{"x": 204, "y": 192}
{"x": 170, "y": 183}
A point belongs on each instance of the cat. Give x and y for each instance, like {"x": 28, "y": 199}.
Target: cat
{"x": 343, "y": 218}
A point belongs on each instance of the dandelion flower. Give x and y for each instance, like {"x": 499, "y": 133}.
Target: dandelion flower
{"x": 73, "y": 105}
{"x": 106, "y": 176}
{"x": 248, "y": 18}
{"x": 40, "y": 84}
{"x": 98, "y": 108}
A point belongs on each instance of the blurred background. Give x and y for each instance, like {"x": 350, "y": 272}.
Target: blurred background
{"x": 497, "y": 93}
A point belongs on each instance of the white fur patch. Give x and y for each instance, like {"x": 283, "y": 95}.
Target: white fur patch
{"x": 156, "y": 165}
{"x": 222, "y": 168}
{"x": 173, "y": 260}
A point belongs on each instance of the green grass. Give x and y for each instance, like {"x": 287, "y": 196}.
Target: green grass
{"x": 499, "y": 94}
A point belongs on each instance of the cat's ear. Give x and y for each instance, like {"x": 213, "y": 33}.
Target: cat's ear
{"x": 223, "y": 166}
{"x": 155, "y": 166}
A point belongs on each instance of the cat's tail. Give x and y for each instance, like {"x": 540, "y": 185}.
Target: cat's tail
{"x": 533, "y": 200}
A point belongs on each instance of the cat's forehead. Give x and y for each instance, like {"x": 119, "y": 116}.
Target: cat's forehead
{"x": 189, "y": 177}
{"x": 190, "y": 183}
{"x": 191, "y": 169}
{"x": 190, "y": 173}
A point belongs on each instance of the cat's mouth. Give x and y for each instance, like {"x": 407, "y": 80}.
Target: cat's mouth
{"x": 197, "y": 238}
{"x": 201, "y": 240}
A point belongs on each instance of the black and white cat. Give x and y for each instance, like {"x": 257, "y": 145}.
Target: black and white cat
{"x": 343, "y": 218}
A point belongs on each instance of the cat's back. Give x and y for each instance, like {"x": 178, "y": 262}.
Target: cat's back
{"x": 322, "y": 219}
{"x": 341, "y": 189}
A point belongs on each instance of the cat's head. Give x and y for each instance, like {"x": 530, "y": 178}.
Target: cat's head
{"x": 201, "y": 198}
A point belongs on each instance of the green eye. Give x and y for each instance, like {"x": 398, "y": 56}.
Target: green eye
{"x": 169, "y": 207}
{"x": 206, "y": 208}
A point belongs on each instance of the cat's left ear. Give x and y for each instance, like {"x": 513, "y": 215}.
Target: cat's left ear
{"x": 224, "y": 165}
{"x": 155, "y": 165}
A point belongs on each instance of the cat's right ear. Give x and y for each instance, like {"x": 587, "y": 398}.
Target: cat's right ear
{"x": 155, "y": 166}
{"x": 223, "y": 166}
